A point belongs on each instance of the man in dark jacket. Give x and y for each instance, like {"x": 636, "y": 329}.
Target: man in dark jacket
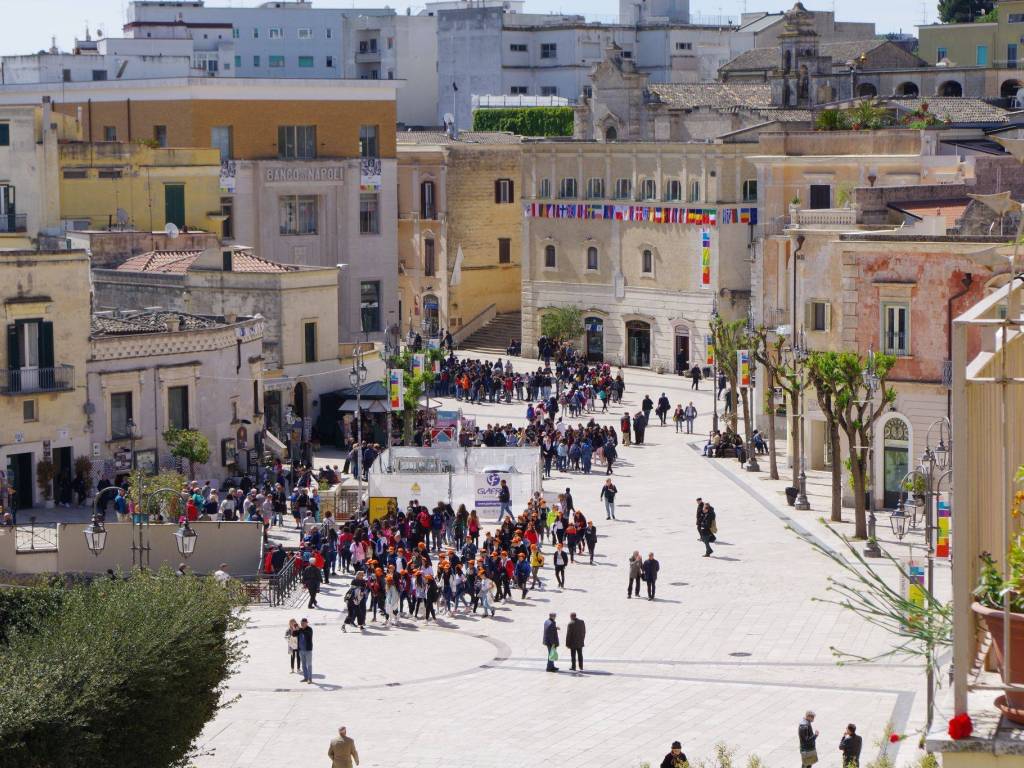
{"x": 311, "y": 578}
{"x": 647, "y": 405}
{"x": 676, "y": 758}
{"x": 639, "y": 426}
{"x": 608, "y": 491}
{"x": 695, "y": 377}
{"x": 650, "y": 570}
{"x": 706, "y": 525}
{"x": 575, "y": 634}
{"x": 808, "y": 739}
{"x": 304, "y": 634}
{"x": 850, "y": 746}
{"x": 663, "y": 408}
{"x": 551, "y": 640}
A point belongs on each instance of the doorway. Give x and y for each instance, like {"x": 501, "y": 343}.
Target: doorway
{"x": 682, "y": 351}
{"x": 431, "y": 315}
{"x": 595, "y": 339}
{"x": 300, "y": 400}
{"x": 19, "y": 469}
{"x": 895, "y": 460}
{"x": 638, "y": 343}
{"x": 62, "y": 475}
{"x": 174, "y": 204}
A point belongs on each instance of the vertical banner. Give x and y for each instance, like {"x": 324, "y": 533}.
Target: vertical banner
{"x": 396, "y": 385}
{"x": 705, "y": 258}
{"x": 417, "y": 363}
{"x": 709, "y": 344}
{"x": 435, "y": 367}
{"x": 915, "y": 589}
{"x": 743, "y": 366}
{"x": 942, "y": 523}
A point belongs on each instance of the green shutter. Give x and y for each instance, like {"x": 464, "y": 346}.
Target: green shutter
{"x": 13, "y": 352}
{"x": 174, "y": 204}
{"x": 46, "y": 345}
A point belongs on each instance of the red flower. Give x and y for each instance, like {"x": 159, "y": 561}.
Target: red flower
{"x": 961, "y": 727}
{"x": 894, "y": 737}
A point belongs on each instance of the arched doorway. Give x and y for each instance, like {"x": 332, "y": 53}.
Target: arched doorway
{"x": 907, "y": 89}
{"x": 895, "y": 459}
{"x": 431, "y": 315}
{"x": 638, "y": 343}
{"x": 1008, "y": 89}
{"x": 682, "y": 349}
{"x": 299, "y": 403}
{"x": 611, "y": 133}
{"x": 595, "y": 339}
{"x": 867, "y": 90}
{"x": 951, "y": 88}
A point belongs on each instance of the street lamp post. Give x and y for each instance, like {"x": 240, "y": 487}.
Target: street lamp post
{"x": 934, "y": 468}
{"x": 357, "y": 377}
{"x": 714, "y": 370}
{"x": 871, "y": 382}
{"x": 800, "y": 355}
{"x": 752, "y": 465}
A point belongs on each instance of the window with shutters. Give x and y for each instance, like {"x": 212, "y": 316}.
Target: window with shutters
{"x": 177, "y": 407}
{"x": 504, "y": 250}
{"x": 309, "y": 341}
{"x": 648, "y": 190}
{"x": 369, "y": 143}
{"x": 623, "y": 189}
{"x": 750, "y": 190}
{"x": 694, "y": 192}
{"x": 592, "y": 263}
{"x": 544, "y": 188}
{"x": 567, "y": 189}
{"x": 429, "y": 267}
{"x": 120, "y": 414}
{"x": 369, "y": 213}
{"x": 296, "y": 142}
{"x": 817, "y": 315}
{"x": 428, "y": 206}
{"x": 896, "y": 329}
{"x": 504, "y": 191}
{"x": 550, "y": 257}
{"x": 595, "y": 188}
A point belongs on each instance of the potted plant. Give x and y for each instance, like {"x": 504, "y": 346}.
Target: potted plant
{"x": 46, "y": 470}
{"x": 991, "y": 594}
{"x": 916, "y": 487}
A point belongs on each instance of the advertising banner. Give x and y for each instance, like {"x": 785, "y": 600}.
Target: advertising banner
{"x": 418, "y": 363}
{"x": 381, "y": 506}
{"x": 396, "y": 387}
{"x": 743, "y": 366}
{"x": 487, "y": 485}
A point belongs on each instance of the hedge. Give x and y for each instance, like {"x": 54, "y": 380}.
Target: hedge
{"x": 526, "y": 121}
{"x": 118, "y": 673}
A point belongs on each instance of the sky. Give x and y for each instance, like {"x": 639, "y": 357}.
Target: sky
{"x": 28, "y": 25}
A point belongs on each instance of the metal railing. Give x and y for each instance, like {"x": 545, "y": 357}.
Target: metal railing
{"x": 13, "y": 222}
{"x": 22, "y": 380}
{"x": 35, "y": 537}
{"x": 274, "y": 588}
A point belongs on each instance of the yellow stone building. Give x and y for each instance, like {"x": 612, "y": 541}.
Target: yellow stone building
{"x": 45, "y": 297}
{"x": 459, "y": 229}
{"x": 105, "y": 185}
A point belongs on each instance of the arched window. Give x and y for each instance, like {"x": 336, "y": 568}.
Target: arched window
{"x": 907, "y": 89}
{"x": 866, "y": 89}
{"x": 429, "y": 263}
{"x": 428, "y": 203}
{"x": 610, "y": 134}
{"x": 951, "y": 88}
{"x": 550, "y": 261}
{"x": 647, "y": 261}
{"x": 1009, "y": 88}
{"x": 592, "y": 258}
{"x": 648, "y": 190}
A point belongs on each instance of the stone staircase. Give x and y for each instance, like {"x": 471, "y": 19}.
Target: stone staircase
{"x": 495, "y": 336}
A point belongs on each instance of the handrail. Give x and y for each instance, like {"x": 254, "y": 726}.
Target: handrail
{"x": 482, "y": 318}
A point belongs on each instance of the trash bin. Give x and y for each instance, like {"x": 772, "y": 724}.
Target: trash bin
{"x": 791, "y": 493}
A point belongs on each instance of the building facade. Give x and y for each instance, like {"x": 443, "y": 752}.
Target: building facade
{"x": 151, "y": 371}
{"x": 459, "y": 228}
{"x": 645, "y": 238}
{"x": 43, "y": 404}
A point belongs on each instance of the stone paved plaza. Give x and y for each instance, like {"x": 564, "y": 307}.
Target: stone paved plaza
{"x": 733, "y": 650}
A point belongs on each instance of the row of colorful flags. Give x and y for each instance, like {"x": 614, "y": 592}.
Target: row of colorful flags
{"x": 654, "y": 214}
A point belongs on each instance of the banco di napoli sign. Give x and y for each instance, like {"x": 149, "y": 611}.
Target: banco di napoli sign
{"x": 304, "y": 173}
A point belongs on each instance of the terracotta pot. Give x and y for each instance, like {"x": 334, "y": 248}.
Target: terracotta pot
{"x": 1013, "y": 706}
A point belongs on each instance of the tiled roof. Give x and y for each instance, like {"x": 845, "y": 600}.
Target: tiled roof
{"x": 760, "y": 59}
{"x": 148, "y": 322}
{"x": 950, "y": 210}
{"x": 715, "y": 95}
{"x": 180, "y": 262}
{"x": 465, "y": 137}
{"x": 954, "y": 109}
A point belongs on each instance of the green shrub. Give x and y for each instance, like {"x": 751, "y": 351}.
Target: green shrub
{"x": 526, "y": 121}
{"x": 116, "y": 674}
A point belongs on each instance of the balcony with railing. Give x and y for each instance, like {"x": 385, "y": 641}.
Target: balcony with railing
{"x": 825, "y": 217}
{"x": 20, "y": 381}
{"x": 13, "y": 222}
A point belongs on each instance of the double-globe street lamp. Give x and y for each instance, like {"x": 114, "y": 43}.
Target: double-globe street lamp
{"x": 357, "y": 377}
{"x": 185, "y": 537}
{"x": 872, "y": 382}
{"x": 934, "y": 469}
{"x": 799, "y": 352}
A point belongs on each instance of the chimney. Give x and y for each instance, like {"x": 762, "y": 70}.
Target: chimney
{"x": 171, "y": 323}
{"x": 226, "y": 256}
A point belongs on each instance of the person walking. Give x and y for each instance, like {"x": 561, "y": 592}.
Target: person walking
{"x": 590, "y": 537}
{"x": 561, "y": 560}
{"x": 695, "y": 377}
{"x": 293, "y": 646}
{"x": 551, "y": 642}
{"x": 575, "y": 634}
{"x": 610, "y": 455}
{"x": 636, "y": 574}
{"x": 536, "y": 563}
{"x": 663, "y": 408}
{"x": 608, "y": 491}
{"x": 343, "y": 750}
{"x": 650, "y": 573}
{"x": 850, "y": 746}
{"x": 808, "y": 740}
{"x": 625, "y": 424}
{"x": 689, "y": 415}
{"x": 677, "y": 418}
{"x": 505, "y": 500}
{"x": 311, "y": 579}
{"x": 707, "y": 526}
{"x": 304, "y": 635}
{"x": 676, "y": 758}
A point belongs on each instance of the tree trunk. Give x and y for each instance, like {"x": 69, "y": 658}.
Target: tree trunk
{"x": 745, "y": 397}
{"x": 837, "y": 472}
{"x": 773, "y": 464}
{"x": 860, "y": 528}
{"x": 408, "y": 422}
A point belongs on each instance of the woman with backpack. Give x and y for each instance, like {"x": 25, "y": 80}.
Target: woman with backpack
{"x": 293, "y": 645}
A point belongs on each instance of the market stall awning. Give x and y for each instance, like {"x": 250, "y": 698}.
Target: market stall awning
{"x": 370, "y": 406}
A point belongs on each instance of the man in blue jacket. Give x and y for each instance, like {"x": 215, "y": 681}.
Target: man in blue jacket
{"x": 551, "y": 641}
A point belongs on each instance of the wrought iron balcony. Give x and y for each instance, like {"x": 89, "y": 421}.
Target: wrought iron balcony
{"x": 13, "y": 222}
{"x": 19, "y": 381}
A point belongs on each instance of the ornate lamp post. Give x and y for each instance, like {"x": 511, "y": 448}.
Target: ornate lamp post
{"x": 800, "y": 355}
{"x": 357, "y": 377}
{"x": 714, "y": 371}
{"x": 186, "y": 539}
{"x": 871, "y": 382}
{"x": 96, "y": 536}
